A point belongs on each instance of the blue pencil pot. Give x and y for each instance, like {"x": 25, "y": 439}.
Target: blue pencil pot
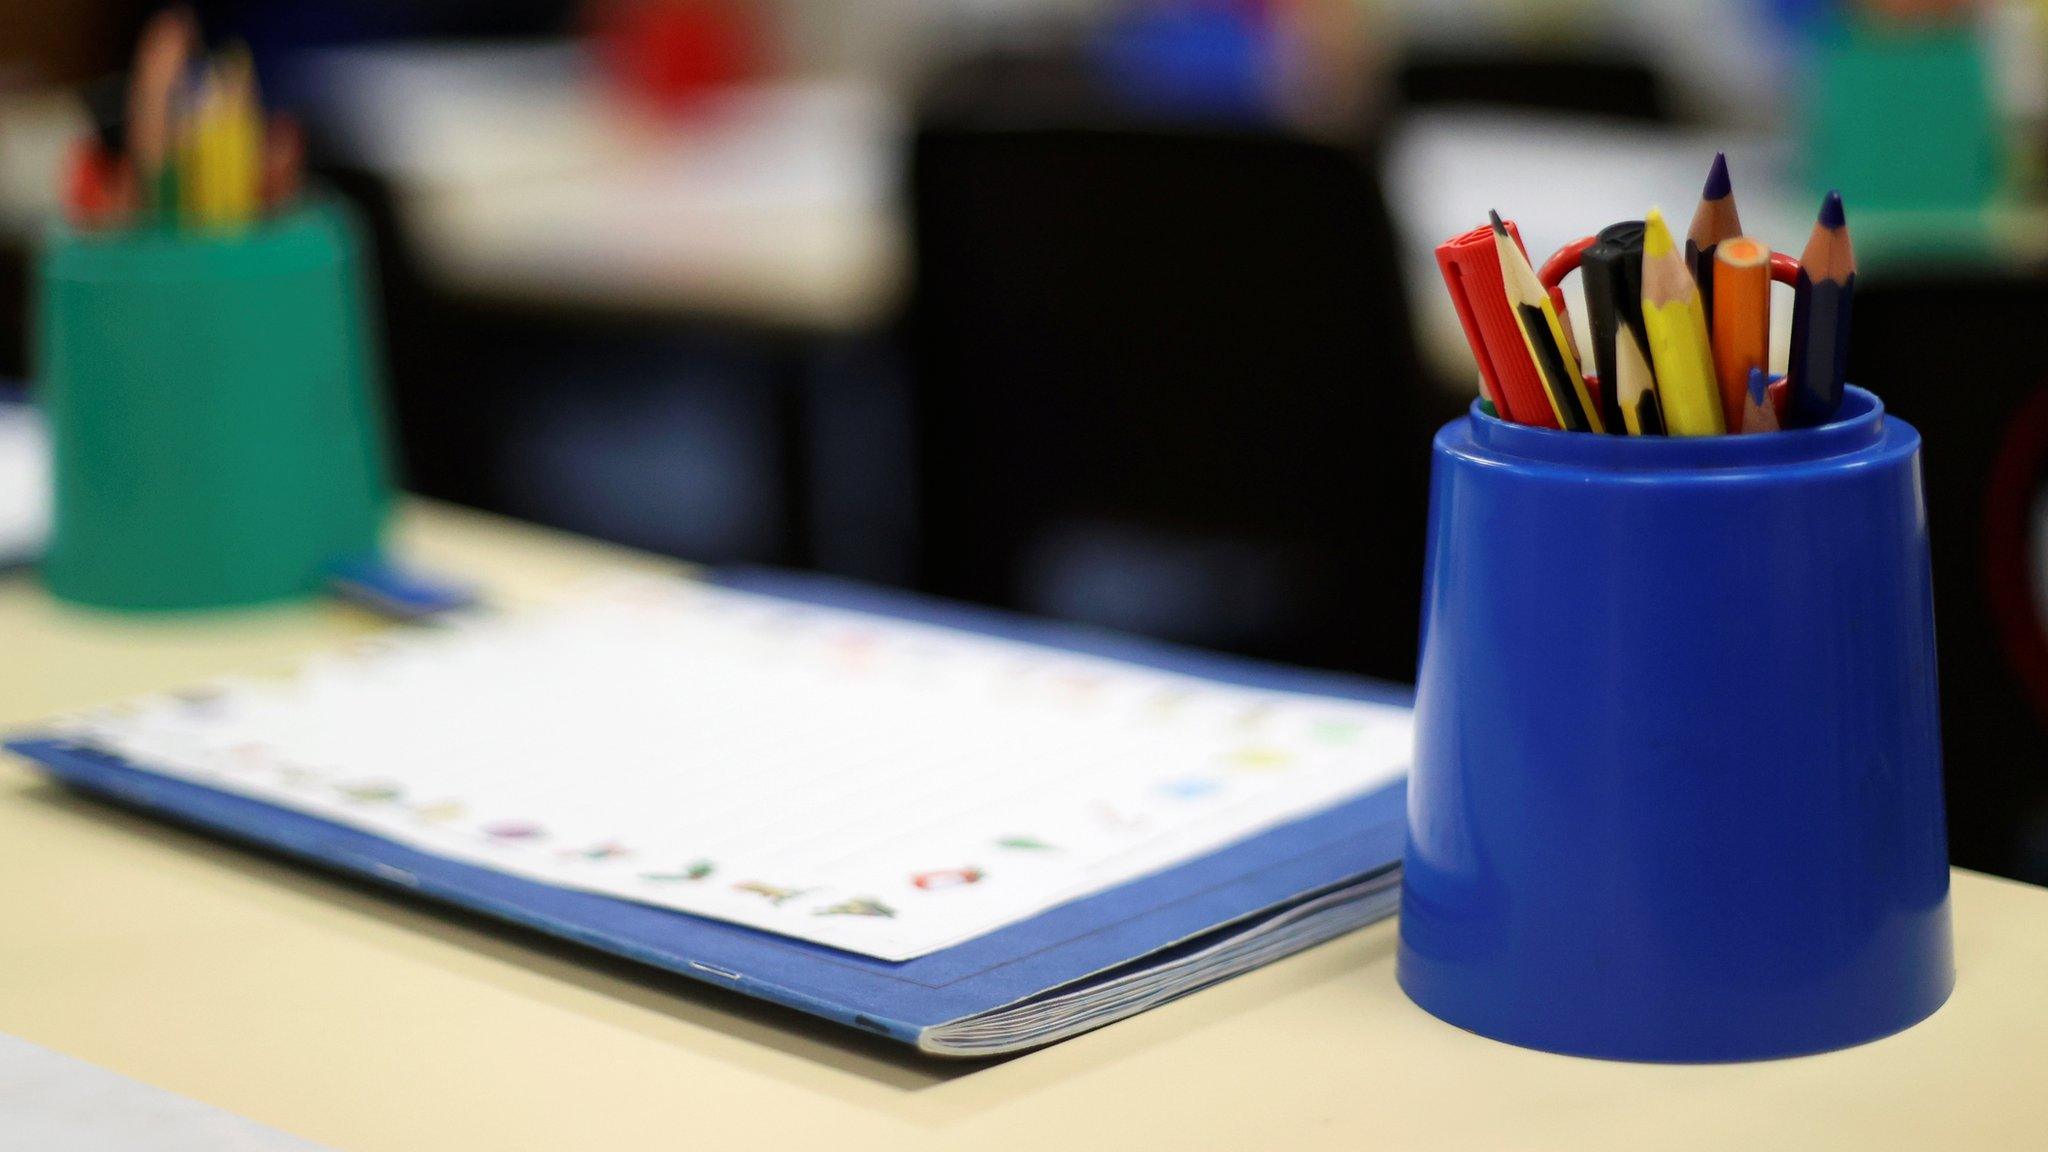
{"x": 1677, "y": 782}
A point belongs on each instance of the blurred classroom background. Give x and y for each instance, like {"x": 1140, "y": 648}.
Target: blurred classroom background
{"x": 1120, "y": 311}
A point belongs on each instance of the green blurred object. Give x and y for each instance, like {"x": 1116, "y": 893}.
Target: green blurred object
{"x": 1904, "y": 120}
{"x": 215, "y": 424}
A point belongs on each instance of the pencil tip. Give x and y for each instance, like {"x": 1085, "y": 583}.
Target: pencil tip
{"x": 1759, "y": 385}
{"x": 1831, "y": 215}
{"x": 1499, "y": 229}
{"x": 1717, "y": 179}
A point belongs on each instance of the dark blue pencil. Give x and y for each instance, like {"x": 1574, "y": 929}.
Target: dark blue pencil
{"x": 1820, "y": 319}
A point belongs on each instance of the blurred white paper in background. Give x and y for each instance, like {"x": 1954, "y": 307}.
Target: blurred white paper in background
{"x": 24, "y": 483}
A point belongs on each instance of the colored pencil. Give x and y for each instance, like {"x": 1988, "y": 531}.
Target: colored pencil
{"x": 1543, "y": 332}
{"x": 1713, "y": 221}
{"x": 1740, "y": 320}
{"x": 1677, "y": 327}
{"x": 1611, "y": 274}
{"x": 161, "y": 58}
{"x": 240, "y": 162}
{"x": 1820, "y": 319}
{"x": 1759, "y": 409}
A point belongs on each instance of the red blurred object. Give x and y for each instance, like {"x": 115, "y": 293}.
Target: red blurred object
{"x": 1565, "y": 261}
{"x": 284, "y": 160}
{"x": 669, "y": 55}
{"x": 99, "y": 187}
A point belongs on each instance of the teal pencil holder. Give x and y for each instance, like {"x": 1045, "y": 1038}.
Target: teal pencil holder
{"x": 216, "y": 431}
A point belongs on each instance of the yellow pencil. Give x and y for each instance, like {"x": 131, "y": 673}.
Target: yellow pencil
{"x": 1679, "y": 352}
{"x": 222, "y": 169}
{"x": 195, "y": 151}
{"x": 1549, "y": 344}
{"x": 242, "y": 159}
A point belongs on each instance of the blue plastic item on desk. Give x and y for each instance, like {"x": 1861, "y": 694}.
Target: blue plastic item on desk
{"x": 1677, "y": 785}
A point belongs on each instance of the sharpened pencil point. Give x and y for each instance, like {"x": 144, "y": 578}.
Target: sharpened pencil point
{"x": 1499, "y": 229}
{"x": 1656, "y": 234}
{"x": 1759, "y": 385}
{"x": 1717, "y": 179}
{"x": 1831, "y": 215}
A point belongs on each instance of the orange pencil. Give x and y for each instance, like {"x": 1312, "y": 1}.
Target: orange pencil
{"x": 1741, "y": 319}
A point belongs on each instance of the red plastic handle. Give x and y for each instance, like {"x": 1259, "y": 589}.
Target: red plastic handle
{"x": 1565, "y": 261}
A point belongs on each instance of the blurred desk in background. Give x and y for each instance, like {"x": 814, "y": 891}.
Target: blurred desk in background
{"x": 517, "y": 177}
{"x": 668, "y": 332}
{"x": 367, "y": 1022}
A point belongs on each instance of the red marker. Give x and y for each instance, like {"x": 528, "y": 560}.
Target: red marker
{"x": 1507, "y": 375}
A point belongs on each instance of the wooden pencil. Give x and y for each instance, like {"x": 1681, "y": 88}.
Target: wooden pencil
{"x": 1713, "y": 221}
{"x": 1635, "y": 384}
{"x": 1544, "y": 335}
{"x": 1740, "y": 319}
{"x": 1759, "y": 409}
{"x": 1820, "y": 319}
{"x": 241, "y": 144}
{"x": 1679, "y": 352}
{"x": 161, "y": 57}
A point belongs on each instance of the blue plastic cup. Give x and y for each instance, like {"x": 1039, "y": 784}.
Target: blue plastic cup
{"x": 1677, "y": 782}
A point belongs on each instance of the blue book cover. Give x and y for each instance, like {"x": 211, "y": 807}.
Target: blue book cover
{"x": 1075, "y": 966}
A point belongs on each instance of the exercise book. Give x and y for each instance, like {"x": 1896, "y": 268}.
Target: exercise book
{"x": 966, "y": 831}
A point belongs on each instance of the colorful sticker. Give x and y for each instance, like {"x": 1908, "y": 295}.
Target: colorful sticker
{"x": 947, "y": 878}
{"x": 250, "y": 754}
{"x": 697, "y": 870}
{"x": 1118, "y": 820}
{"x": 1190, "y": 788}
{"x": 860, "y": 906}
{"x": 769, "y": 892}
{"x": 371, "y": 792}
{"x": 1170, "y": 701}
{"x": 439, "y": 812}
{"x": 1336, "y": 731}
{"x": 1026, "y": 844}
{"x": 1259, "y": 759}
{"x": 1082, "y": 684}
{"x": 515, "y": 831}
{"x": 1255, "y": 715}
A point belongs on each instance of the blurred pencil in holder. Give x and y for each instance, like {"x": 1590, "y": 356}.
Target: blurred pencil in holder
{"x": 182, "y": 141}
